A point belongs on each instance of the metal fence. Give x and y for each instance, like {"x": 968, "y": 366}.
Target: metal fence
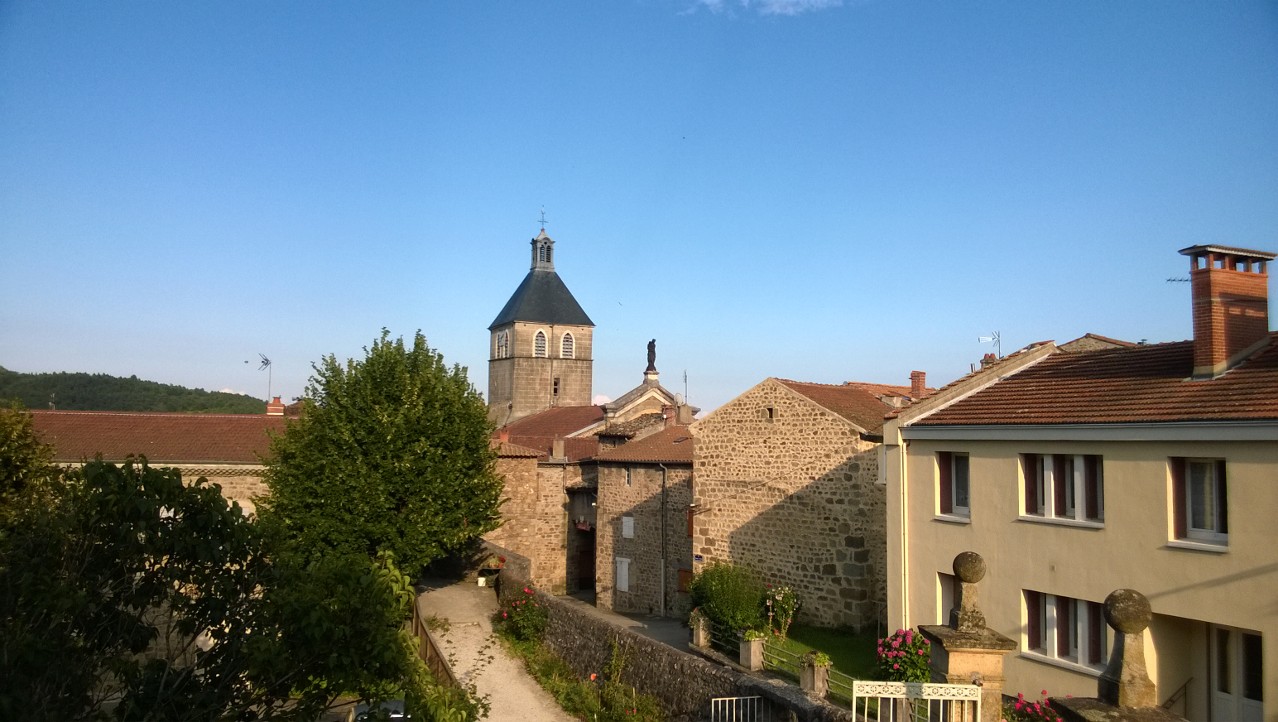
{"x": 777, "y": 658}
{"x": 840, "y": 687}
{"x": 916, "y": 701}
{"x": 739, "y": 709}
{"x": 725, "y": 640}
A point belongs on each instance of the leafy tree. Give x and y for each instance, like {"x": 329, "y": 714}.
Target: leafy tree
{"x": 391, "y": 453}
{"x": 102, "y": 392}
{"x": 126, "y": 594}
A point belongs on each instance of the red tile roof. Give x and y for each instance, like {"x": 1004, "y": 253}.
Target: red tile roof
{"x": 856, "y": 402}
{"x": 1123, "y": 385}
{"x": 671, "y": 445}
{"x": 540, "y": 430}
{"x": 162, "y": 438}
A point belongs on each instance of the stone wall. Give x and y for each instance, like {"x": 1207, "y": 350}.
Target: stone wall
{"x": 240, "y": 482}
{"x": 683, "y": 683}
{"x": 534, "y": 519}
{"x": 790, "y": 489}
{"x": 526, "y": 382}
{"x": 634, "y": 491}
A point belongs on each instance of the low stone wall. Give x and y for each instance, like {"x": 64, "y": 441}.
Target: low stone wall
{"x": 684, "y": 683}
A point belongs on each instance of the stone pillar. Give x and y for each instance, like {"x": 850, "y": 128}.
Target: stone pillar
{"x": 700, "y": 629}
{"x": 1124, "y": 690}
{"x": 965, "y": 651}
{"x": 751, "y": 654}
{"x": 814, "y": 678}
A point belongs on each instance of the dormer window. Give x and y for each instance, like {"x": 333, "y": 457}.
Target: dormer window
{"x": 566, "y": 347}
{"x": 539, "y": 344}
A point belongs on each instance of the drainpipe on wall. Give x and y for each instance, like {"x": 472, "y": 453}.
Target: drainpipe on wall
{"x": 663, "y": 539}
{"x": 903, "y": 454}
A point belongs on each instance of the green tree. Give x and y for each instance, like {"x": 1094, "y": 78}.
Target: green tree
{"x": 126, "y": 594}
{"x": 391, "y": 454}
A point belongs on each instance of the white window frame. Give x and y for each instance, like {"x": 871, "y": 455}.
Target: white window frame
{"x": 966, "y": 482}
{"x": 1075, "y": 489}
{"x": 567, "y": 346}
{"x": 1208, "y": 481}
{"x": 1079, "y": 631}
{"x": 539, "y": 344}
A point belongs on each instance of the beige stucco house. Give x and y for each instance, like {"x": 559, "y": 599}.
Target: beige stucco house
{"x": 1086, "y": 468}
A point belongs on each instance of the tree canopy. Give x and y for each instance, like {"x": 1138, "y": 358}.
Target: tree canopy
{"x": 102, "y": 392}
{"x": 391, "y": 454}
{"x": 128, "y": 594}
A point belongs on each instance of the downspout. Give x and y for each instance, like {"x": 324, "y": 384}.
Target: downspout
{"x": 663, "y": 539}
{"x": 904, "y": 456}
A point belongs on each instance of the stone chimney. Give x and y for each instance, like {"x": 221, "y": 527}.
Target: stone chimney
{"x": 275, "y": 407}
{"x": 1230, "y": 289}
{"x": 918, "y": 385}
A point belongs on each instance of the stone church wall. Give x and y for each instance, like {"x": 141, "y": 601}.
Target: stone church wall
{"x": 790, "y": 490}
{"x": 641, "y": 500}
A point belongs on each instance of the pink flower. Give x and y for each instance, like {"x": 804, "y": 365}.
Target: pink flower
{"x": 503, "y": 615}
{"x": 921, "y": 652}
{"x": 1044, "y": 693}
{"x": 896, "y": 666}
{"x": 527, "y": 590}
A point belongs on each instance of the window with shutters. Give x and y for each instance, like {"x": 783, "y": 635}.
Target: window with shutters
{"x": 1067, "y": 630}
{"x": 539, "y": 345}
{"x": 503, "y": 345}
{"x": 627, "y": 527}
{"x": 953, "y": 484}
{"x": 1063, "y": 486}
{"x": 1200, "y": 500}
{"x": 566, "y": 346}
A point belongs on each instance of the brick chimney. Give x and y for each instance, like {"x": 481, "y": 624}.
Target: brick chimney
{"x": 918, "y": 385}
{"x": 275, "y": 407}
{"x": 1231, "y": 305}
{"x": 987, "y": 360}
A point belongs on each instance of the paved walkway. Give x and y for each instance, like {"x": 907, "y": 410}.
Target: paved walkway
{"x": 477, "y": 657}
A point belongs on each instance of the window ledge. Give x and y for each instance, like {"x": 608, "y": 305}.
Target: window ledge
{"x": 1063, "y": 664}
{"x": 953, "y": 519}
{"x": 1059, "y": 521}
{"x": 1198, "y": 546}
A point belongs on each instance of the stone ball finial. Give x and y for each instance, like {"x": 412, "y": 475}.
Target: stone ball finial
{"x": 969, "y": 567}
{"x": 1128, "y": 611}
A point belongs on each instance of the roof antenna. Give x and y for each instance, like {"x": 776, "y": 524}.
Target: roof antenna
{"x": 994, "y": 339}
{"x": 266, "y": 366}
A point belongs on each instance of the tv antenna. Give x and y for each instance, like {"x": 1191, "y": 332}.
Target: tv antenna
{"x": 1178, "y": 279}
{"x": 994, "y": 339}
{"x": 265, "y": 366}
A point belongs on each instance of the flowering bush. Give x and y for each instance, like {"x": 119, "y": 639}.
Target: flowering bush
{"x": 1023, "y": 710}
{"x": 903, "y": 657}
{"x": 523, "y": 618}
{"x": 782, "y": 603}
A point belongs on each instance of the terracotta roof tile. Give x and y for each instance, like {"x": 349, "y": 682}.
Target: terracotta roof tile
{"x": 162, "y": 438}
{"x": 853, "y": 401}
{"x": 1123, "y": 385}
{"x": 671, "y": 445}
{"x": 632, "y": 427}
{"x": 540, "y": 430}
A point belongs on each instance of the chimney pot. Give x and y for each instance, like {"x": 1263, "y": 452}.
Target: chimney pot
{"x": 275, "y": 407}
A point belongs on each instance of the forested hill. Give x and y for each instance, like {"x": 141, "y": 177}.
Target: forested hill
{"x": 100, "y": 392}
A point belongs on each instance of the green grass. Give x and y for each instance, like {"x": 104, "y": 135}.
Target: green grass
{"x": 850, "y": 653}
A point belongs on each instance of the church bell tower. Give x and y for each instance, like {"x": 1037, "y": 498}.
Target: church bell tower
{"x": 540, "y": 345}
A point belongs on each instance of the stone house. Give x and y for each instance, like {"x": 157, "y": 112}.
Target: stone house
{"x": 785, "y": 482}
{"x": 224, "y": 448}
{"x": 1077, "y": 470}
{"x": 644, "y": 542}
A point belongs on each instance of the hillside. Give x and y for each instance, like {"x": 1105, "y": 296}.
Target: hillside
{"x": 101, "y": 392}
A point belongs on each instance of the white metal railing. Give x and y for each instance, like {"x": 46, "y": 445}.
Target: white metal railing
{"x": 915, "y": 701}
{"x": 739, "y": 709}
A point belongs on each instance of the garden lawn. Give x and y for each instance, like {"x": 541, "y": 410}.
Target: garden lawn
{"x": 850, "y": 653}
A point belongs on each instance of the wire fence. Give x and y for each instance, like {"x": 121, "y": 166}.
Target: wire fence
{"x": 725, "y": 640}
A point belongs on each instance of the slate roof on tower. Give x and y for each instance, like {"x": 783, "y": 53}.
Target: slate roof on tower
{"x": 542, "y": 298}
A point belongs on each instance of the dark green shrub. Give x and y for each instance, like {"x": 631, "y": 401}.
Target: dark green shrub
{"x": 731, "y": 596}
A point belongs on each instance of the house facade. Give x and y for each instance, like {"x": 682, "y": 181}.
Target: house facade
{"x": 1085, "y": 468}
{"x": 785, "y": 482}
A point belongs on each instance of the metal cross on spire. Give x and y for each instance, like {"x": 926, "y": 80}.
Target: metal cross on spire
{"x": 543, "y": 218}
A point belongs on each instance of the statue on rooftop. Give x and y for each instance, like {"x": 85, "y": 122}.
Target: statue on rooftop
{"x": 652, "y": 357}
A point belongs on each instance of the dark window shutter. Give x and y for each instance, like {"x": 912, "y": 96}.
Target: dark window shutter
{"x": 946, "y": 484}
{"x": 1095, "y": 622}
{"x": 689, "y": 523}
{"x": 1034, "y": 612}
{"x": 1178, "y": 496}
{"x": 1222, "y": 497}
{"x": 1032, "y": 473}
{"x": 1064, "y": 625}
{"x": 1058, "y": 483}
{"x": 1091, "y": 475}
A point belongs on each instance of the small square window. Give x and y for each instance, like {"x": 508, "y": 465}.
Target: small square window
{"x": 953, "y": 484}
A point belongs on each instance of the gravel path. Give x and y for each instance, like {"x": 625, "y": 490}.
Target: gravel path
{"x": 476, "y": 655}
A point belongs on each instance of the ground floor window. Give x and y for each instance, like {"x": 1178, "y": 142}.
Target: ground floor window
{"x": 1066, "y": 629}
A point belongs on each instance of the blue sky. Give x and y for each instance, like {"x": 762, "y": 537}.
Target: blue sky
{"x": 810, "y": 189}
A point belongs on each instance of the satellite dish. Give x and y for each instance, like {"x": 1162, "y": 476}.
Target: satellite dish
{"x": 679, "y": 400}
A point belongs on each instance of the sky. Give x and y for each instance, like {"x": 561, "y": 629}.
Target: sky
{"x": 808, "y": 189}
